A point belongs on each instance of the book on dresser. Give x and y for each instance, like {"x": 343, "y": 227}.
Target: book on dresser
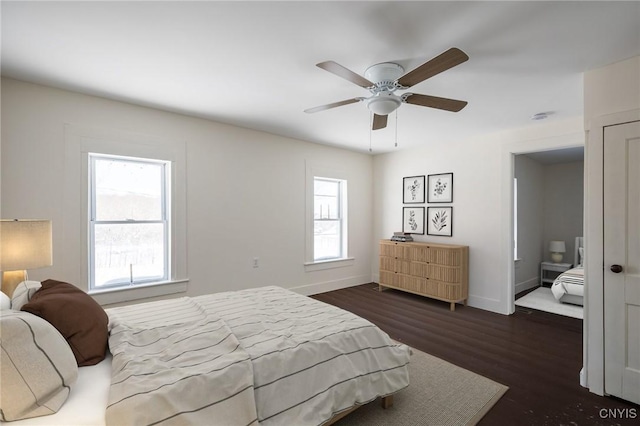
{"x": 439, "y": 271}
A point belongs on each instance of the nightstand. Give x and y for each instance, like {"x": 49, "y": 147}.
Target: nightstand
{"x": 549, "y": 271}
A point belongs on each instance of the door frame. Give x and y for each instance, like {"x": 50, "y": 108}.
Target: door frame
{"x": 593, "y": 324}
{"x": 509, "y": 151}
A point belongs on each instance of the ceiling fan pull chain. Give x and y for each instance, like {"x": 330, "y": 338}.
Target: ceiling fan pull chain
{"x": 370, "y": 130}
{"x": 396, "y": 129}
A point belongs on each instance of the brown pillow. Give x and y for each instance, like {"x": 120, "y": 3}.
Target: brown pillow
{"x": 79, "y": 318}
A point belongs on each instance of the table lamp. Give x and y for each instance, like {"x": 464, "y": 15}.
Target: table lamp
{"x": 24, "y": 244}
{"x": 556, "y": 248}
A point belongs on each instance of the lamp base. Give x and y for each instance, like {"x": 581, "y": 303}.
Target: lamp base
{"x": 11, "y": 279}
{"x": 556, "y": 257}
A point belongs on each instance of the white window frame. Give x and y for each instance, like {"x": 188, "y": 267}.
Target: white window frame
{"x": 165, "y": 219}
{"x": 340, "y": 219}
{"x": 314, "y": 171}
{"x": 79, "y": 142}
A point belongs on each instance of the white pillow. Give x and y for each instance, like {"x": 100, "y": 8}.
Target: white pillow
{"x": 580, "y": 255}
{"x": 5, "y": 302}
{"x": 37, "y": 367}
{"x": 23, "y": 293}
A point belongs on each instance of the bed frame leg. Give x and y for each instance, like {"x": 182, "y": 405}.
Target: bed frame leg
{"x": 387, "y": 401}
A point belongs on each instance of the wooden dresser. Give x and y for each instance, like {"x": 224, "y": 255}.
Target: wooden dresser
{"x": 439, "y": 271}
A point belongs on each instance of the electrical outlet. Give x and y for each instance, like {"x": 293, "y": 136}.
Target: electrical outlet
{"x": 256, "y": 262}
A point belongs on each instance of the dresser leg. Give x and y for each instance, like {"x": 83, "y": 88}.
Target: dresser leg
{"x": 453, "y": 306}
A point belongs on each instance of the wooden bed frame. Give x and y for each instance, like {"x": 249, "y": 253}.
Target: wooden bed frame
{"x": 386, "y": 402}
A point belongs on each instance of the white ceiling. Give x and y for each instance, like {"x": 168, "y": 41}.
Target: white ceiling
{"x": 252, "y": 64}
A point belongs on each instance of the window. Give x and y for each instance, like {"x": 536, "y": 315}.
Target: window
{"x": 326, "y": 233}
{"x": 328, "y": 219}
{"x": 129, "y": 226}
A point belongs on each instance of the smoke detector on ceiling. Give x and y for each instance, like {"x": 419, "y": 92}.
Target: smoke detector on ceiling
{"x": 541, "y": 115}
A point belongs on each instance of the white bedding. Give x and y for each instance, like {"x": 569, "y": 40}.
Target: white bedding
{"x": 180, "y": 360}
{"x": 310, "y": 360}
{"x": 569, "y": 284}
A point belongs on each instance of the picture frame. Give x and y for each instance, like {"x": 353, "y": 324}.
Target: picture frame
{"x": 413, "y": 220}
{"x": 440, "y": 221}
{"x": 413, "y": 189}
{"x": 440, "y": 188}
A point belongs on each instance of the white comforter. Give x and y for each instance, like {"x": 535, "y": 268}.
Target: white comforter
{"x": 174, "y": 363}
{"x": 570, "y": 282}
{"x": 300, "y": 360}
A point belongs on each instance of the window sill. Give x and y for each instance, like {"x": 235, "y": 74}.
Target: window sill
{"x": 141, "y": 291}
{"x": 328, "y": 264}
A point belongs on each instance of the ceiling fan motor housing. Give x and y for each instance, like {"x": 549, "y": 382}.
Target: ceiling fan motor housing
{"x": 384, "y": 75}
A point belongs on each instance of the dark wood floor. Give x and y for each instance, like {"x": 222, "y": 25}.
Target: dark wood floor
{"x": 537, "y": 354}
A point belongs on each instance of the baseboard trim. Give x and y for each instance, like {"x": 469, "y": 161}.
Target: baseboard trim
{"x": 526, "y": 285}
{"x": 493, "y": 305}
{"x": 323, "y": 287}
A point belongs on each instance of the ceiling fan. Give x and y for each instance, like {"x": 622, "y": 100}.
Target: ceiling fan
{"x": 383, "y": 80}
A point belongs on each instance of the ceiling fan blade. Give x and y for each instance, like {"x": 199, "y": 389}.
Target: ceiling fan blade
{"x": 379, "y": 121}
{"x": 434, "y": 102}
{"x": 440, "y": 63}
{"x": 347, "y": 74}
{"x": 333, "y": 105}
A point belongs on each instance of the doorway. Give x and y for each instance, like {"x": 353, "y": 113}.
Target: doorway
{"x": 548, "y": 213}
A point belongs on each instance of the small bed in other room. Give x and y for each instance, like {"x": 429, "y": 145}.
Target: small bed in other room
{"x": 568, "y": 287}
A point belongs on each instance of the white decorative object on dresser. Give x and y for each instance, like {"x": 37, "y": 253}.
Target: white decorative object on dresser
{"x": 439, "y": 271}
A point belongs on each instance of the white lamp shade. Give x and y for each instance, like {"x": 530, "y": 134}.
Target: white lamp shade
{"x": 557, "y": 247}
{"x": 383, "y": 105}
{"x": 25, "y": 244}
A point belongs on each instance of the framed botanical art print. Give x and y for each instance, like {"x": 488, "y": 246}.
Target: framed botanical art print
{"x": 440, "y": 188}
{"x": 440, "y": 221}
{"x": 413, "y": 220}
{"x": 413, "y": 190}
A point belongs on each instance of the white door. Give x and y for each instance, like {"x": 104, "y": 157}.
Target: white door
{"x": 622, "y": 261}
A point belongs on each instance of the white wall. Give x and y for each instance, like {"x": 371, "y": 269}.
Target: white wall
{"x": 530, "y": 175}
{"x": 563, "y": 206}
{"x": 611, "y": 89}
{"x": 245, "y": 190}
{"x": 483, "y": 199}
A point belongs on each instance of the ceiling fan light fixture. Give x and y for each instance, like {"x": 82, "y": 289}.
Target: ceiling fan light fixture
{"x": 383, "y": 105}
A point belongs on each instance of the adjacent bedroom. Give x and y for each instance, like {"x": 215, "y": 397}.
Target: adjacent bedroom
{"x": 548, "y": 229}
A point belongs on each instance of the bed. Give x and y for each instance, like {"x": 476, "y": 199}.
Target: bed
{"x": 263, "y": 356}
{"x": 568, "y": 287}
